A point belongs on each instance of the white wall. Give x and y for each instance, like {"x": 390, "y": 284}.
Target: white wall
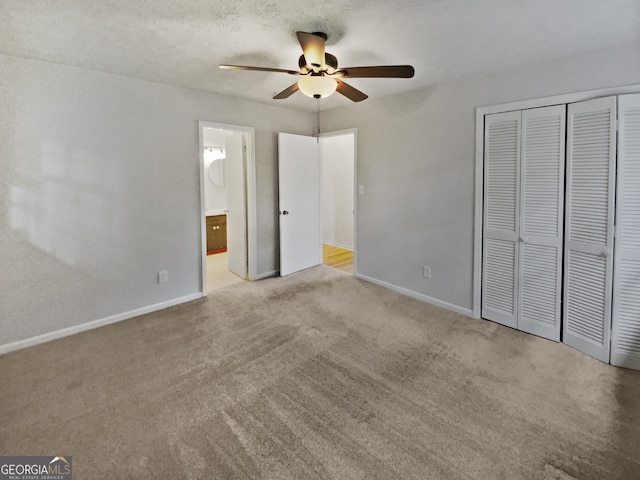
{"x": 337, "y": 190}
{"x": 215, "y": 197}
{"x": 99, "y": 190}
{"x": 416, "y": 159}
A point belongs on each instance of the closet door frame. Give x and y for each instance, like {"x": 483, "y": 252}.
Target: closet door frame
{"x": 481, "y": 112}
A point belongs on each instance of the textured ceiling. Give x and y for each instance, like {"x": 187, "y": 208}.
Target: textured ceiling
{"x": 181, "y": 42}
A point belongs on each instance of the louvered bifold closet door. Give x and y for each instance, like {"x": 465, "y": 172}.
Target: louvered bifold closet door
{"x": 625, "y": 332}
{"x": 591, "y": 163}
{"x": 541, "y": 221}
{"x": 501, "y": 205}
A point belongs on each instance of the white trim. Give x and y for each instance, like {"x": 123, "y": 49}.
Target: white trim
{"x": 478, "y": 200}
{"x": 560, "y": 99}
{"x": 252, "y": 209}
{"x": 339, "y": 245}
{"x": 203, "y": 216}
{"x": 272, "y": 273}
{"x": 65, "y": 332}
{"x": 252, "y": 205}
{"x": 417, "y": 296}
{"x": 479, "y": 208}
{"x": 339, "y": 133}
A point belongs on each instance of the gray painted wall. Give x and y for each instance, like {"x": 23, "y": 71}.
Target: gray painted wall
{"x": 99, "y": 190}
{"x": 99, "y": 183}
{"x": 416, "y": 155}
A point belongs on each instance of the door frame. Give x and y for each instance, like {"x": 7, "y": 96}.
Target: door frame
{"x": 251, "y": 201}
{"x": 338, "y": 133}
{"x": 479, "y": 164}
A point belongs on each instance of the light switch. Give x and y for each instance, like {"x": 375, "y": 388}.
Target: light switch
{"x": 426, "y": 272}
{"x": 361, "y": 189}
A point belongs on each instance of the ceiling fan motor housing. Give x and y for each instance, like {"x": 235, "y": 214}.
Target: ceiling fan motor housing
{"x": 331, "y": 64}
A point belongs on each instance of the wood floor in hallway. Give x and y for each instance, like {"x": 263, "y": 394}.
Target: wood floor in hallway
{"x": 337, "y": 257}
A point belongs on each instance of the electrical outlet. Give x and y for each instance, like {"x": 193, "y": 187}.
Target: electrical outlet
{"x": 426, "y": 272}
{"x": 163, "y": 276}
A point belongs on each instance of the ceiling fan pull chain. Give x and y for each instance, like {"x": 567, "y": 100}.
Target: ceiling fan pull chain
{"x": 318, "y": 119}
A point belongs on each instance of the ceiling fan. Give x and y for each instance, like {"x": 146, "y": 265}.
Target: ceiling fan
{"x": 320, "y": 75}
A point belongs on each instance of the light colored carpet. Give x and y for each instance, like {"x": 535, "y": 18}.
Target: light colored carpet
{"x": 319, "y": 375}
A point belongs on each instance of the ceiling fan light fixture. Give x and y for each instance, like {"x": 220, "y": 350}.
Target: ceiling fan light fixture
{"x": 319, "y": 74}
{"x": 317, "y": 86}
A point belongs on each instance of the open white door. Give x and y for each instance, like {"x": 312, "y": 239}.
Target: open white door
{"x": 299, "y": 172}
{"x": 235, "y": 149}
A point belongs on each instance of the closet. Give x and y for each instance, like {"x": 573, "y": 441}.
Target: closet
{"x": 523, "y": 219}
{"x": 549, "y": 263}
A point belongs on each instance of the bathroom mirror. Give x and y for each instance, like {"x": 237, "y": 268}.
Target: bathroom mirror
{"x": 216, "y": 172}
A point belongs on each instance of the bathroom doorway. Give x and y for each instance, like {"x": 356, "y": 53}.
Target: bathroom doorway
{"x": 227, "y": 204}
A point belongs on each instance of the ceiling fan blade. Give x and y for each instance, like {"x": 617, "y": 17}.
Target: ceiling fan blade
{"x": 350, "y": 92}
{"x": 313, "y": 48}
{"x": 258, "y": 69}
{"x": 287, "y": 92}
{"x": 388, "y": 71}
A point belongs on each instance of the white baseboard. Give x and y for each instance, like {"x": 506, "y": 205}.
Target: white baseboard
{"x": 339, "y": 245}
{"x": 418, "y": 296}
{"x": 272, "y": 273}
{"x": 65, "y": 332}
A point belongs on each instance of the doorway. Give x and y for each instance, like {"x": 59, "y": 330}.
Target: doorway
{"x": 303, "y": 230}
{"x": 338, "y": 199}
{"x": 227, "y": 186}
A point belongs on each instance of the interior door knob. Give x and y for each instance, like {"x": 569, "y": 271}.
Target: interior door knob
{"x": 285, "y": 212}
